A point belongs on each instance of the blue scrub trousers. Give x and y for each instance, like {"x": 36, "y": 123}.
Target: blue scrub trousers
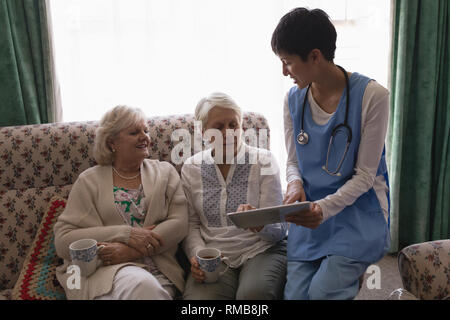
{"x": 329, "y": 278}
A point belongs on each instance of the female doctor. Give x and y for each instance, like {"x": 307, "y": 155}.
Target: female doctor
{"x": 335, "y": 128}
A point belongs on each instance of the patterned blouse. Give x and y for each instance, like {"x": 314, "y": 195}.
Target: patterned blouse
{"x": 254, "y": 179}
{"x": 131, "y": 206}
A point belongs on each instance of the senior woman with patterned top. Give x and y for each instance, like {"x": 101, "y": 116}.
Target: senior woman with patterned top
{"x": 133, "y": 206}
{"x": 214, "y": 187}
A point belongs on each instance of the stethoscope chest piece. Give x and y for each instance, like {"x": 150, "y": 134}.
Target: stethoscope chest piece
{"x": 302, "y": 137}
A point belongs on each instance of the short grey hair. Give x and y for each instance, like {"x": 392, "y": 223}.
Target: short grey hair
{"x": 215, "y": 99}
{"x": 112, "y": 122}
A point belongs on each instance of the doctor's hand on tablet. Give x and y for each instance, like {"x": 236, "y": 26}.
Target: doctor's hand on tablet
{"x": 294, "y": 192}
{"x": 308, "y": 219}
{"x": 245, "y": 207}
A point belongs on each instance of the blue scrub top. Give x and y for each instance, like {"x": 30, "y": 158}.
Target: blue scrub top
{"x": 359, "y": 231}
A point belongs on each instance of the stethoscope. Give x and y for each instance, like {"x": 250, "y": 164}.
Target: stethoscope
{"x": 303, "y": 138}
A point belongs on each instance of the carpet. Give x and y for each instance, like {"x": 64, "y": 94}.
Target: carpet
{"x": 389, "y": 279}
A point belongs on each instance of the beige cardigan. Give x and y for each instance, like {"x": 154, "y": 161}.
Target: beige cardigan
{"x": 91, "y": 213}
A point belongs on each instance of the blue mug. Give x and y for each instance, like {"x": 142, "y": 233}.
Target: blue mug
{"x": 84, "y": 254}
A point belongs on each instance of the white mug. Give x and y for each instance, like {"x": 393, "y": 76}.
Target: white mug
{"x": 209, "y": 260}
{"x": 84, "y": 254}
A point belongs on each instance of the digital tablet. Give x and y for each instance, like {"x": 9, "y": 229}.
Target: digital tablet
{"x": 264, "y": 216}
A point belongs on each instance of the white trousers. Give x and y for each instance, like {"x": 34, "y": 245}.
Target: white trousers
{"x": 135, "y": 283}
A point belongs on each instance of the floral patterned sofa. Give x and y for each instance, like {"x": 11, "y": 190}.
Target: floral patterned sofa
{"x": 39, "y": 162}
{"x": 425, "y": 271}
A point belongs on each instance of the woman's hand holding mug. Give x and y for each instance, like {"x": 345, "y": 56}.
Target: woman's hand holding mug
{"x": 205, "y": 266}
{"x": 196, "y": 272}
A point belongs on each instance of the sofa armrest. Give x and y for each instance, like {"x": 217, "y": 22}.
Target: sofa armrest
{"x": 423, "y": 269}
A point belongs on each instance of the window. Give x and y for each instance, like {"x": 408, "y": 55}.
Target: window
{"x": 164, "y": 55}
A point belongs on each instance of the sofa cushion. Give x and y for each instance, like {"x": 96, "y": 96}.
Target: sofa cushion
{"x": 37, "y": 280}
{"x": 21, "y": 212}
{"x": 43, "y": 155}
{"x": 162, "y": 128}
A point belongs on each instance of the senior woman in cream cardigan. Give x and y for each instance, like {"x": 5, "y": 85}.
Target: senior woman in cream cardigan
{"x": 133, "y": 206}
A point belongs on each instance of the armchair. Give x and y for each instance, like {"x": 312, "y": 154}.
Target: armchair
{"x": 425, "y": 271}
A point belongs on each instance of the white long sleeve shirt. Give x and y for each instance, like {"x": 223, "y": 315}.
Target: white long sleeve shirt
{"x": 210, "y": 197}
{"x": 374, "y": 123}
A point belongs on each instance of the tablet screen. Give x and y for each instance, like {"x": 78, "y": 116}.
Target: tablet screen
{"x": 264, "y": 216}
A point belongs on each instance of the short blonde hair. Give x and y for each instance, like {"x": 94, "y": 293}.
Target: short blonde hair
{"x": 112, "y": 122}
{"x": 215, "y": 99}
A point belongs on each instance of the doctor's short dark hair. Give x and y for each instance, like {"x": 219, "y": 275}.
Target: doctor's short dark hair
{"x": 302, "y": 30}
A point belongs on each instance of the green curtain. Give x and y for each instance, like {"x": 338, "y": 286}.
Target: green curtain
{"x": 419, "y": 133}
{"x": 27, "y": 86}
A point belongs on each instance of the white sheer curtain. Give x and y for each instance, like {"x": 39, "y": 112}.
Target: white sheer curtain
{"x": 164, "y": 55}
